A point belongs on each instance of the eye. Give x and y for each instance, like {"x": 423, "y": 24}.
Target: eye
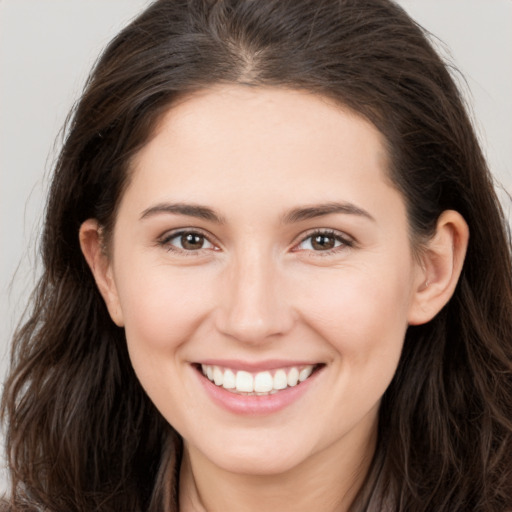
{"x": 187, "y": 241}
{"x": 324, "y": 241}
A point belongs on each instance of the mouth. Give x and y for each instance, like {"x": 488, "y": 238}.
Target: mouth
{"x": 263, "y": 383}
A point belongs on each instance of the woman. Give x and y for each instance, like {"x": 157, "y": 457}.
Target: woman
{"x": 276, "y": 276}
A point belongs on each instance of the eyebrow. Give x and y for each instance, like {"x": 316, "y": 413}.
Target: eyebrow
{"x": 319, "y": 210}
{"x": 191, "y": 210}
{"x": 292, "y": 216}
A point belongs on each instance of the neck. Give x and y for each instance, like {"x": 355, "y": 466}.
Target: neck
{"x": 328, "y": 480}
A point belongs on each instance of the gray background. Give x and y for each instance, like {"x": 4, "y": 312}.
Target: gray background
{"x": 48, "y": 46}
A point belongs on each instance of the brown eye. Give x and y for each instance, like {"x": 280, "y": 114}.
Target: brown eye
{"x": 187, "y": 241}
{"x": 192, "y": 241}
{"x": 323, "y": 242}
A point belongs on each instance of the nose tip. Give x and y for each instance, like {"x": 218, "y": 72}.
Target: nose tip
{"x": 254, "y": 307}
{"x": 252, "y": 330}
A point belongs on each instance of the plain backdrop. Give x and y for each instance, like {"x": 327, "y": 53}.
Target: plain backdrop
{"x": 47, "y": 48}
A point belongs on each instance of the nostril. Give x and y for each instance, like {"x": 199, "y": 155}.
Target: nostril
{"x": 255, "y": 325}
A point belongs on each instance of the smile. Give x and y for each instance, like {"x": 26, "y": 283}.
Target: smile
{"x": 260, "y": 383}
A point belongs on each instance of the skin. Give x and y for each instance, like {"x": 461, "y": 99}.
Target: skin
{"x": 258, "y": 289}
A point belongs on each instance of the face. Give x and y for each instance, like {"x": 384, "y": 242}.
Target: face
{"x": 260, "y": 245}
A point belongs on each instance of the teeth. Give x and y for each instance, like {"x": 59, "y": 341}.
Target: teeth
{"x": 261, "y": 383}
{"x": 305, "y": 373}
{"x": 280, "y": 380}
{"x": 218, "y": 376}
{"x": 293, "y": 377}
{"x": 229, "y": 381}
{"x": 244, "y": 382}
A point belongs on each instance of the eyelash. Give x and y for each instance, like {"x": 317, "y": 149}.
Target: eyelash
{"x": 165, "y": 241}
{"x": 344, "y": 241}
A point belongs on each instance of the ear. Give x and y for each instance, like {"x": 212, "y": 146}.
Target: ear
{"x": 95, "y": 253}
{"x": 441, "y": 264}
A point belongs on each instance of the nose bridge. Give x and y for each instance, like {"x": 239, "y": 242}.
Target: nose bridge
{"x": 254, "y": 305}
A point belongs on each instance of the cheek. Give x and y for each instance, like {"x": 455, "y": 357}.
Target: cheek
{"x": 363, "y": 316}
{"x": 161, "y": 307}
{"x": 364, "y": 322}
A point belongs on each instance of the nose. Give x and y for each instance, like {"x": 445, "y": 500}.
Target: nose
{"x": 254, "y": 306}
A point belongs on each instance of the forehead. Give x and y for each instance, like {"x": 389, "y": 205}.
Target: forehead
{"x": 268, "y": 135}
{"x": 254, "y": 156}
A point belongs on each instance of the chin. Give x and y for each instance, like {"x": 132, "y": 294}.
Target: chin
{"x": 260, "y": 464}
{"x": 252, "y": 457}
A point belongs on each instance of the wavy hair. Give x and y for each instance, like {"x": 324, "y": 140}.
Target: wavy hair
{"x": 81, "y": 432}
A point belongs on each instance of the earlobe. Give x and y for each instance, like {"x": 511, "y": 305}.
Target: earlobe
{"x": 441, "y": 265}
{"x": 94, "y": 251}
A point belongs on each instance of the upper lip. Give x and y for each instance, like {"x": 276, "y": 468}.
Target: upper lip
{"x": 255, "y": 366}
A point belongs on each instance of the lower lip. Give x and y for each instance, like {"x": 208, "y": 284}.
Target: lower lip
{"x": 253, "y": 404}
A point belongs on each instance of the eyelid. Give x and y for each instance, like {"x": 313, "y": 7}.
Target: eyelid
{"x": 346, "y": 240}
{"x": 167, "y": 236}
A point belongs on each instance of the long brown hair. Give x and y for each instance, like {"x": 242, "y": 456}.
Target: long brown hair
{"x": 83, "y": 436}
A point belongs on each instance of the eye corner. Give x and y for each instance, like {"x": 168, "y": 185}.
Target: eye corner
{"x": 175, "y": 241}
{"x": 340, "y": 242}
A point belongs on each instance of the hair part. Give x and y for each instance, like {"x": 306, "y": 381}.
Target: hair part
{"x": 83, "y": 435}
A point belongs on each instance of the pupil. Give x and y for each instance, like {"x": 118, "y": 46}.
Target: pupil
{"x": 323, "y": 242}
{"x": 192, "y": 241}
